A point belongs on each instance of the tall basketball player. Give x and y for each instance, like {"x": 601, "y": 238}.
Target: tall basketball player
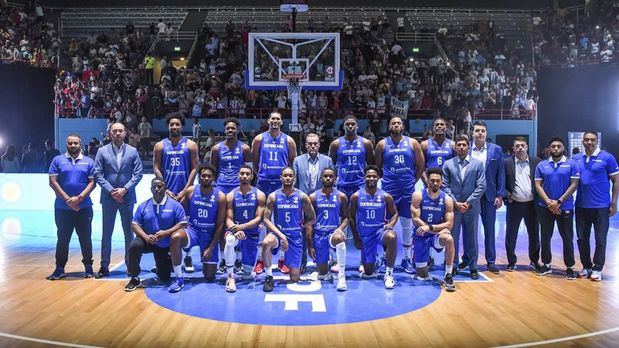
{"x": 437, "y": 149}
{"x": 402, "y": 162}
{"x": 175, "y": 159}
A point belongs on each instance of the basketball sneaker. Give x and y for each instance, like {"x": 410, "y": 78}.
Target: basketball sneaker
{"x": 449, "y": 283}
{"x": 407, "y": 265}
{"x": 230, "y": 284}
{"x": 596, "y": 276}
{"x": 88, "y": 271}
{"x": 389, "y": 281}
{"x": 341, "y": 282}
{"x": 282, "y": 267}
{"x": 585, "y": 273}
{"x": 259, "y": 268}
{"x": 177, "y": 285}
{"x": 133, "y": 284}
{"x": 58, "y": 274}
{"x": 269, "y": 284}
{"x": 188, "y": 264}
{"x": 221, "y": 269}
{"x": 238, "y": 267}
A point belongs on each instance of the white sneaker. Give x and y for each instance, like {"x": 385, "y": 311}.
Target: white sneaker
{"x": 596, "y": 276}
{"x": 335, "y": 268}
{"x": 585, "y": 273}
{"x": 341, "y": 283}
{"x": 389, "y": 282}
{"x": 326, "y": 276}
{"x": 361, "y": 269}
{"x": 423, "y": 279}
{"x": 371, "y": 276}
{"x": 230, "y": 284}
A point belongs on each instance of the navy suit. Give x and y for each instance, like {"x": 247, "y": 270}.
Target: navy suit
{"x": 110, "y": 176}
{"x": 495, "y": 187}
{"x": 469, "y": 189}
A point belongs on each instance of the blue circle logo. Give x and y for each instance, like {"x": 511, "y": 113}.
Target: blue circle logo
{"x": 309, "y": 302}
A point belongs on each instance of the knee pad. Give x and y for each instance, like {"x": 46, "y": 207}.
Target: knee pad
{"x": 230, "y": 240}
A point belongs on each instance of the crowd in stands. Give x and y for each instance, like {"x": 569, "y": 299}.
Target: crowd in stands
{"x": 26, "y": 36}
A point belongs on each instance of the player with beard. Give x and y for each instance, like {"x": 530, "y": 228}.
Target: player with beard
{"x": 288, "y": 211}
{"x": 227, "y": 157}
{"x": 245, "y": 207}
{"x": 437, "y": 149}
{"x": 331, "y": 207}
{"x": 206, "y": 207}
{"x": 403, "y": 164}
{"x": 433, "y": 215}
{"x": 175, "y": 159}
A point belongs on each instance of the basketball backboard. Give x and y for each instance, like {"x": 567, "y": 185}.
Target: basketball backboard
{"x": 313, "y": 58}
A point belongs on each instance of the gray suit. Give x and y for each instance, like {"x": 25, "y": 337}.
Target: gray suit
{"x": 109, "y": 176}
{"x": 468, "y": 189}
{"x": 301, "y": 168}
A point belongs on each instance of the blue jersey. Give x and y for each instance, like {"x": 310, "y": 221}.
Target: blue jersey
{"x": 432, "y": 210}
{"x": 437, "y": 155}
{"x": 273, "y": 156}
{"x": 244, "y": 208}
{"x": 371, "y": 212}
{"x": 203, "y": 210}
{"x": 288, "y": 212}
{"x": 73, "y": 176}
{"x": 327, "y": 211}
{"x": 350, "y": 162}
{"x": 398, "y": 165}
{"x": 154, "y": 217}
{"x": 229, "y": 163}
{"x": 176, "y": 163}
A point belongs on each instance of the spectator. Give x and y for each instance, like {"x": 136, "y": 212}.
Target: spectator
{"x": 30, "y": 159}
{"x": 50, "y": 152}
{"x": 10, "y": 162}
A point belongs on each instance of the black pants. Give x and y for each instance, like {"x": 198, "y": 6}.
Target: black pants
{"x": 599, "y": 219}
{"x": 163, "y": 262}
{"x": 66, "y": 222}
{"x": 565, "y": 224}
{"x": 516, "y": 211}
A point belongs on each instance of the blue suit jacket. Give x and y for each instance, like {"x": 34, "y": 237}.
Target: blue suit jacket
{"x": 471, "y": 189}
{"x": 495, "y": 172}
{"x": 301, "y": 167}
{"x": 110, "y": 176}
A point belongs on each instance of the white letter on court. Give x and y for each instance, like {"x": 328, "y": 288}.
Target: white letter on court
{"x": 291, "y": 302}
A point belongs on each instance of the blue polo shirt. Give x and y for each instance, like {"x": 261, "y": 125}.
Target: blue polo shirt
{"x": 594, "y": 184}
{"x": 555, "y": 179}
{"x": 73, "y": 176}
{"x": 153, "y": 217}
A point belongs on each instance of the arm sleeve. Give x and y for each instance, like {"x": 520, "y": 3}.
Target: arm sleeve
{"x": 611, "y": 165}
{"x": 54, "y": 168}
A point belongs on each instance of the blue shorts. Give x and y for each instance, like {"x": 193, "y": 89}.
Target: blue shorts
{"x": 402, "y": 200}
{"x": 268, "y": 186}
{"x": 292, "y": 256}
{"x": 226, "y": 188}
{"x": 203, "y": 239}
{"x": 348, "y": 190}
{"x": 370, "y": 242}
{"x": 422, "y": 245}
{"x": 322, "y": 245}
{"x": 249, "y": 249}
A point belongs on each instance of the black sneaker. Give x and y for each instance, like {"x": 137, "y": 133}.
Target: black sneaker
{"x": 510, "y": 268}
{"x": 222, "y": 267}
{"x": 535, "y": 266}
{"x": 88, "y": 271}
{"x": 133, "y": 284}
{"x": 492, "y": 268}
{"x": 463, "y": 266}
{"x": 569, "y": 274}
{"x": 188, "y": 264}
{"x": 58, "y": 274}
{"x": 103, "y": 272}
{"x": 474, "y": 275}
{"x": 238, "y": 267}
{"x": 269, "y": 284}
{"x": 449, "y": 283}
{"x": 454, "y": 271}
{"x": 544, "y": 270}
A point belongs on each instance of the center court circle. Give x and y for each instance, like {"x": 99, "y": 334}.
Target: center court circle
{"x": 308, "y": 303}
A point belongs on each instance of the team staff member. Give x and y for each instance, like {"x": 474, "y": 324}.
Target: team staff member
{"x": 520, "y": 197}
{"x": 491, "y": 157}
{"x": 594, "y": 204}
{"x": 556, "y": 179}
{"x": 155, "y": 220}
{"x": 71, "y": 176}
{"x": 118, "y": 170}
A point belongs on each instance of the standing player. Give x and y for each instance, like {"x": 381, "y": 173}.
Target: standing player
{"x": 437, "y": 149}
{"x": 292, "y": 212}
{"x": 207, "y": 213}
{"x": 272, "y": 151}
{"x": 245, "y": 207}
{"x": 175, "y": 159}
{"x": 433, "y": 215}
{"x": 370, "y": 207}
{"x": 331, "y": 207}
{"x": 227, "y": 157}
{"x": 402, "y": 163}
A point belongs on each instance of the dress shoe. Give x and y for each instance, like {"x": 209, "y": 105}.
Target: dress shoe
{"x": 103, "y": 272}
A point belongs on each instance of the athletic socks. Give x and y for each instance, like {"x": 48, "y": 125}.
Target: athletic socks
{"x": 449, "y": 269}
{"x": 340, "y": 251}
{"x": 178, "y": 271}
{"x": 268, "y": 271}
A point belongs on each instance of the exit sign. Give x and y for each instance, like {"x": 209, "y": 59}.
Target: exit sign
{"x": 416, "y": 49}
{"x": 177, "y": 48}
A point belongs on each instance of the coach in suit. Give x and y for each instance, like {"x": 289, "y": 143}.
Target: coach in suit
{"x": 308, "y": 168}
{"x": 464, "y": 180}
{"x": 520, "y": 197}
{"x": 118, "y": 169}
{"x": 491, "y": 157}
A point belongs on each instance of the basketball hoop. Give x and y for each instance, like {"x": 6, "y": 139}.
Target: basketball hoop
{"x": 294, "y": 87}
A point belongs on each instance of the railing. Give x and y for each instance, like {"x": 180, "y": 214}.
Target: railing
{"x": 415, "y": 37}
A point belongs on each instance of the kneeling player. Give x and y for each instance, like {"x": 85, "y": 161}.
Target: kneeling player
{"x": 207, "y": 212}
{"x": 331, "y": 207}
{"x": 369, "y": 208}
{"x": 433, "y": 215}
{"x": 244, "y": 215}
{"x": 292, "y": 212}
